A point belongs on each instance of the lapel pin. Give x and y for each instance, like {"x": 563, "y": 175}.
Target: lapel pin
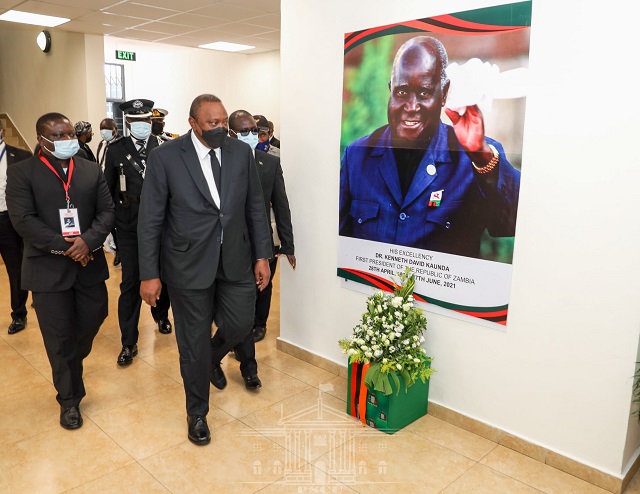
{"x": 436, "y": 197}
{"x": 431, "y": 169}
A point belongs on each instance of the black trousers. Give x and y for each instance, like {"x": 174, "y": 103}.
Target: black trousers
{"x": 263, "y": 299}
{"x": 11, "y": 251}
{"x": 69, "y": 321}
{"x": 129, "y": 302}
{"x": 230, "y": 304}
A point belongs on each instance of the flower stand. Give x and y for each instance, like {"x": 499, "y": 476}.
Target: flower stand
{"x": 387, "y": 413}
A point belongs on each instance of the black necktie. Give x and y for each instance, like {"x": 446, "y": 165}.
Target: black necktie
{"x": 142, "y": 151}
{"x": 215, "y": 168}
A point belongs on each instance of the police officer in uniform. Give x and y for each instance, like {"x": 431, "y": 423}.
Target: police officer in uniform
{"x": 124, "y": 170}
{"x": 157, "y": 125}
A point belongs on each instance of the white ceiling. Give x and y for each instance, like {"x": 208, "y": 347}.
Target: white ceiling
{"x": 176, "y": 22}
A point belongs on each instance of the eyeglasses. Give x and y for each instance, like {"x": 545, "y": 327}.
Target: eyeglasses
{"x": 245, "y": 132}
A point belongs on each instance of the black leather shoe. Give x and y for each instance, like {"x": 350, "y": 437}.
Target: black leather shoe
{"x": 164, "y": 326}
{"x": 259, "y": 333}
{"x": 217, "y": 377}
{"x": 70, "y": 418}
{"x": 127, "y": 354}
{"x": 252, "y": 381}
{"x": 198, "y": 430}
{"x": 17, "y": 325}
{"x": 116, "y": 259}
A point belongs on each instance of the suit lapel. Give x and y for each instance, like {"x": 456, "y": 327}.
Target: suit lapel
{"x": 192, "y": 163}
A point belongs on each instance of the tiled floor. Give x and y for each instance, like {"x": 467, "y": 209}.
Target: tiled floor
{"x": 292, "y": 436}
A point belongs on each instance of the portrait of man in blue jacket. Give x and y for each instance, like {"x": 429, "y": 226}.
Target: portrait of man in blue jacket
{"x": 419, "y": 182}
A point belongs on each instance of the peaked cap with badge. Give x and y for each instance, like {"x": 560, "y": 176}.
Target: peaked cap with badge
{"x": 137, "y": 108}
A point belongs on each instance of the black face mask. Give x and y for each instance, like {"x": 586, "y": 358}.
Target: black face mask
{"x": 215, "y": 137}
{"x": 157, "y": 128}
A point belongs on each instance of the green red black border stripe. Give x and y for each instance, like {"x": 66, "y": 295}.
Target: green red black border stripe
{"x": 491, "y": 20}
{"x": 497, "y": 314}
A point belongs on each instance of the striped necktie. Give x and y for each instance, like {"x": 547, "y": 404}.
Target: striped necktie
{"x": 142, "y": 150}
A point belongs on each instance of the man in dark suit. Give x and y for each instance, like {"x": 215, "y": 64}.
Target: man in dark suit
{"x": 125, "y": 170}
{"x": 243, "y": 127}
{"x": 204, "y": 226}
{"x": 64, "y": 264}
{"x": 419, "y": 182}
{"x": 11, "y": 245}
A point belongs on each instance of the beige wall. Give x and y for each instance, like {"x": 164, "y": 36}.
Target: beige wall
{"x": 561, "y": 374}
{"x": 68, "y": 79}
{"x": 172, "y": 76}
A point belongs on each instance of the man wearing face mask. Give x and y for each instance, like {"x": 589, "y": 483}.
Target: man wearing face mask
{"x": 84, "y": 133}
{"x": 11, "y": 245}
{"x": 243, "y": 127}
{"x": 60, "y": 205}
{"x": 264, "y": 137}
{"x": 109, "y": 135}
{"x": 125, "y": 169}
{"x": 157, "y": 125}
{"x": 204, "y": 227}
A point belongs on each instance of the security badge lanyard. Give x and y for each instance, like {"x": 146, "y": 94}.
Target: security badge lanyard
{"x": 69, "y": 220}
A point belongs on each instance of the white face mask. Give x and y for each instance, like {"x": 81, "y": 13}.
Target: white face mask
{"x": 140, "y": 130}
{"x": 107, "y": 134}
{"x": 251, "y": 139}
{"x": 65, "y": 149}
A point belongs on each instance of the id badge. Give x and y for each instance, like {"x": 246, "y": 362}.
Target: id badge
{"x": 69, "y": 222}
{"x": 123, "y": 183}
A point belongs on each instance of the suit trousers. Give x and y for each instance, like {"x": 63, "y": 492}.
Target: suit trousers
{"x": 130, "y": 301}
{"x": 263, "y": 298}
{"x": 11, "y": 251}
{"x": 69, "y": 321}
{"x": 230, "y": 304}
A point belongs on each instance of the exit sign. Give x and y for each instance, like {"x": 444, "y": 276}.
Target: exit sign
{"x": 126, "y": 55}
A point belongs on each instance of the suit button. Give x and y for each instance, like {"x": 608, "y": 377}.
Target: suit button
{"x": 447, "y": 225}
{"x": 360, "y": 221}
{"x": 403, "y": 216}
{"x": 217, "y": 239}
{"x": 221, "y": 215}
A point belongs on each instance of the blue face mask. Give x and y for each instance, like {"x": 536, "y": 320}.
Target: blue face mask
{"x": 106, "y": 134}
{"x": 251, "y": 139}
{"x": 263, "y": 146}
{"x": 65, "y": 149}
{"x": 140, "y": 130}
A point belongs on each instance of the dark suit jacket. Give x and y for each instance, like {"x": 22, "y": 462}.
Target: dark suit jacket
{"x": 15, "y": 155}
{"x": 117, "y": 152}
{"x": 275, "y": 196}
{"x": 180, "y": 227}
{"x": 86, "y": 153}
{"x": 372, "y": 206}
{"x": 34, "y": 197}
